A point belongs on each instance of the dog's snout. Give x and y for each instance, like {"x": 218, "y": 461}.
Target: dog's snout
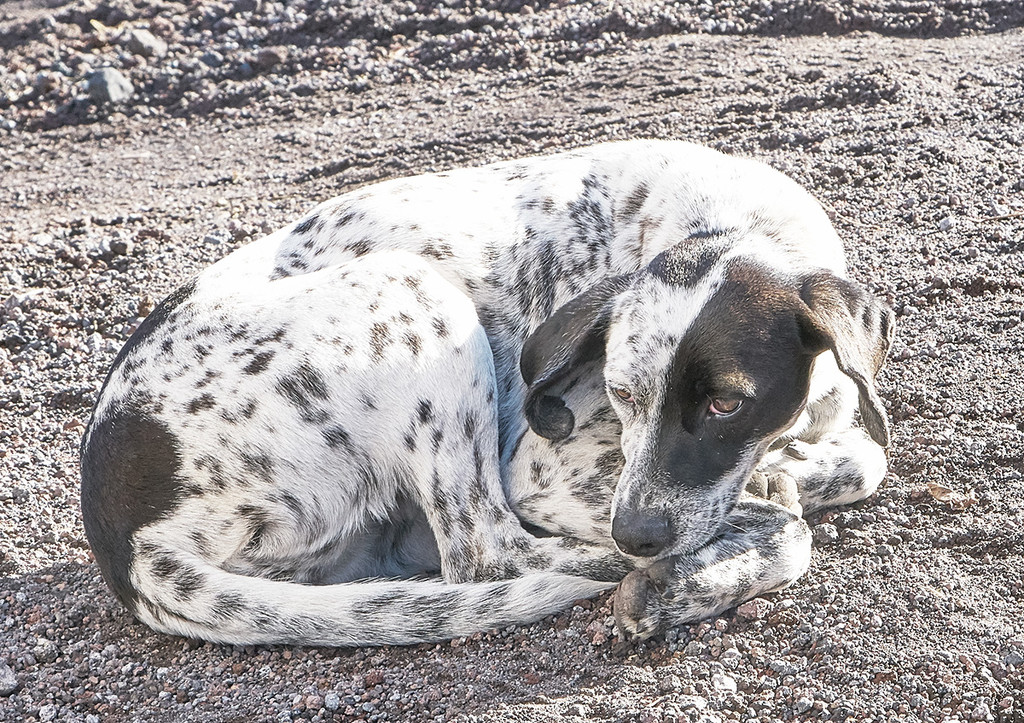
{"x": 642, "y": 534}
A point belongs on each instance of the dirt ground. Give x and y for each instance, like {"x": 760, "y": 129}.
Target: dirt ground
{"x": 907, "y": 121}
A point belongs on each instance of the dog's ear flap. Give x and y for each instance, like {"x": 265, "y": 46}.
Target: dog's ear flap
{"x": 844, "y": 317}
{"x": 573, "y": 335}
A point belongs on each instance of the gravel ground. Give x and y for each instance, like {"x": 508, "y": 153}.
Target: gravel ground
{"x": 907, "y": 121}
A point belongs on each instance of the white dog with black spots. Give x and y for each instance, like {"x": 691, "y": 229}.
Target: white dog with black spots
{"x": 458, "y": 401}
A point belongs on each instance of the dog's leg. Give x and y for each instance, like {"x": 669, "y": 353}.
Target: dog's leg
{"x": 479, "y": 535}
{"x": 842, "y": 468}
{"x": 762, "y": 548}
{"x": 432, "y": 425}
{"x": 453, "y": 460}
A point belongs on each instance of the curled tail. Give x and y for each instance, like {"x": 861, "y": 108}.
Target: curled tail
{"x": 240, "y": 610}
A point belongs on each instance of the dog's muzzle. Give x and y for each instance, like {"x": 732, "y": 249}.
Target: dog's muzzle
{"x": 641, "y": 534}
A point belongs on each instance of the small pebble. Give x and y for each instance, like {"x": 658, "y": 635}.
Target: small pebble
{"x": 45, "y": 651}
{"x": 724, "y": 682}
{"x": 670, "y": 684}
{"x": 754, "y": 609}
{"x": 212, "y": 58}
{"x": 803, "y": 704}
{"x": 784, "y": 667}
{"x": 217, "y": 236}
{"x": 108, "y": 85}
{"x": 691, "y": 702}
{"x": 824, "y": 534}
{"x": 1013, "y": 659}
{"x": 142, "y": 42}
{"x": 8, "y": 680}
{"x": 269, "y": 57}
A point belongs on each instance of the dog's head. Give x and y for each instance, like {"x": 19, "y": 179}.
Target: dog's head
{"x": 707, "y": 362}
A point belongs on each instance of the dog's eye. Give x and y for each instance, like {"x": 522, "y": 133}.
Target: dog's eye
{"x": 724, "y": 407}
{"x": 624, "y": 394}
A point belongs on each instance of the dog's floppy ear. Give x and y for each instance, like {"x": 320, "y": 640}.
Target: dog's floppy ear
{"x": 574, "y": 334}
{"x": 844, "y": 317}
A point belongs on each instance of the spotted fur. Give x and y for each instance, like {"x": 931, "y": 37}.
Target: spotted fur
{"x": 397, "y": 420}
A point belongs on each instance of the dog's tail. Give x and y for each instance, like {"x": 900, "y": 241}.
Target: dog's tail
{"x": 227, "y": 608}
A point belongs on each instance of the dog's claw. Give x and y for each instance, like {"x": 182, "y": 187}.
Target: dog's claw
{"x": 798, "y": 449}
{"x": 631, "y": 602}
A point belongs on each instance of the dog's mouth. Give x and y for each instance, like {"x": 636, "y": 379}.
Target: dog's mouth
{"x": 693, "y": 516}
{"x": 703, "y": 531}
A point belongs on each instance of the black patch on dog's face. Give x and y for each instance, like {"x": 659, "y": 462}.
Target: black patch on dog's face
{"x": 130, "y": 479}
{"x": 687, "y": 465}
{"x": 745, "y": 344}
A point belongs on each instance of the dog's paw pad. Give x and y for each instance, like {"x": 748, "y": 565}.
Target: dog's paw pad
{"x": 782, "y": 490}
{"x": 757, "y": 485}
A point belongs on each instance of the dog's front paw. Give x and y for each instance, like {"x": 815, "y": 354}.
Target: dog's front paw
{"x": 640, "y": 602}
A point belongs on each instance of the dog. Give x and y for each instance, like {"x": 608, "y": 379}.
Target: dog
{"x": 458, "y": 401}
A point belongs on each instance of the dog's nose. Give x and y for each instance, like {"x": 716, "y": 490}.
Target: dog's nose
{"x": 642, "y": 534}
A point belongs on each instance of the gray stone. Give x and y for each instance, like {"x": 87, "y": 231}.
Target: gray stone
{"x": 849, "y": 521}
{"x": 724, "y": 682}
{"x": 217, "y": 236}
{"x": 694, "y": 647}
{"x": 825, "y": 534}
{"x": 8, "y": 680}
{"x": 269, "y": 57}
{"x": 46, "y": 651}
{"x": 670, "y": 683}
{"x": 754, "y": 609}
{"x": 121, "y": 246}
{"x": 212, "y": 58}
{"x": 108, "y": 85}
{"x": 691, "y": 702}
{"x": 981, "y": 712}
{"x": 142, "y": 42}
{"x": 784, "y": 667}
